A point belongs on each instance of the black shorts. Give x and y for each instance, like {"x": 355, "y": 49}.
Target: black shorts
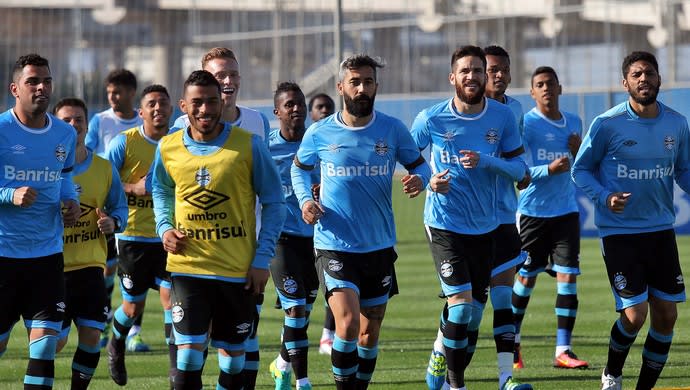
{"x": 293, "y": 270}
{"x": 551, "y": 244}
{"x": 111, "y": 257}
{"x": 85, "y": 298}
{"x": 227, "y": 307}
{"x": 371, "y": 275}
{"x": 508, "y": 249}
{"x": 33, "y": 288}
{"x": 463, "y": 261}
{"x": 141, "y": 266}
{"x": 639, "y": 265}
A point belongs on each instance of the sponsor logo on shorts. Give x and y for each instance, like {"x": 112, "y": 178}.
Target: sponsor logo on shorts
{"x": 619, "y": 281}
{"x": 106, "y": 312}
{"x": 177, "y": 313}
{"x": 127, "y": 281}
{"x": 60, "y": 306}
{"x": 335, "y": 265}
{"x": 290, "y": 285}
{"x": 386, "y": 281}
{"x": 528, "y": 260}
{"x": 446, "y": 270}
{"x": 314, "y": 293}
{"x": 244, "y": 327}
{"x": 679, "y": 279}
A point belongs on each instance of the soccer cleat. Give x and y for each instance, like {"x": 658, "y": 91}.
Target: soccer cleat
{"x": 136, "y": 344}
{"x": 610, "y": 382}
{"x": 512, "y": 384}
{"x": 517, "y": 358}
{"x": 281, "y": 378}
{"x": 436, "y": 370}
{"x": 568, "y": 359}
{"x": 325, "y": 346}
{"x": 116, "y": 362}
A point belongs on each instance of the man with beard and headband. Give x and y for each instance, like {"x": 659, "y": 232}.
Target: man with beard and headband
{"x": 223, "y": 65}
{"x": 549, "y": 217}
{"x": 473, "y": 140}
{"x": 627, "y": 164}
{"x": 357, "y": 149}
{"x": 37, "y": 159}
{"x": 206, "y": 179}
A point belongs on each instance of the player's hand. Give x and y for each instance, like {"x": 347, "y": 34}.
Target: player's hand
{"x": 412, "y": 185}
{"x": 574, "y": 142}
{"x": 559, "y": 165}
{"x": 24, "y": 196}
{"x": 105, "y": 223}
{"x": 522, "y": 184}
{"x": 616, "y": 202}
{"x": 316, "y": 192}
{"x": 174, "y": 241}
{"x": 470, "y": 159}
{"x": 138, "y": 188}
{"x": 256, "y": 280}
{"x": 70, "y": 212}
{"x": 440, "y": 182}
{"x": 311, "y": 212}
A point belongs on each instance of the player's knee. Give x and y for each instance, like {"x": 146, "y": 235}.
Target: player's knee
{"x": 190, "y": 359}
{"x": 43, "y": 347}
{"x": 634, "y": 317}
{"x": 232, "y": 362}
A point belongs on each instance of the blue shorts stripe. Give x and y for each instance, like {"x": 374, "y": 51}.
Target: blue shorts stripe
{"x": 566, "y": 270}
{"x": 63, "y": 333}
{"x": 227, "y": 346}
{"x": 680, "y": 297}
{"x": 509, "y": 264}
{"x": 449, "y": 290}
{"x": 100, "y": 325}
{"x": 530, "y": 274}
{"x": 41, "y": 324}
{"x": 133, "y": 298}
{"x": 163, "y": 283}
{"x": 623, "y": 303}
{"x": 332, "y": 283}
{"x": 251, "y": 344}
{"x": 371, "y": 302}
{"x": 38, "y": 381}
{"x": 182, "y": 339}
{"x": 287, "y": 302}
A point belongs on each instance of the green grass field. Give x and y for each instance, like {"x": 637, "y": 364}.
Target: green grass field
{"x": 409, "y": 329}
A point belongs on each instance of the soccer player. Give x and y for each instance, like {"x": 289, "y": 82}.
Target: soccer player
{"x": 205, "y": 182}
{"x": 121, "y": 89}
{"x": 292, "y": 269}
{"x": 626, "y": 165}
{"x": 549, "y": 218}
{"x": 473, "y": 141}
{"x": 357, "y": 149}
{"x": 222, "y": 64}
{"x": 104, "y": 211}
{"x": 320, "y": 106}
{"x": 142, "y": 257}
{"x": 37, "y": 163}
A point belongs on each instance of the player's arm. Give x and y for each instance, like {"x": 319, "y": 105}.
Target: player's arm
{"x": 301, "y": 176}
{"x": 681, "y": 167}
{"x": 92, "y": 133}
{"x": 163, "y": 194}
{"x": 408, "y": 154}
{"x": 587, "y": 163}
{"x": 508, "y": 163}
{"x": 267, "y": 128}
{"x": 420, "y": 130}
{"x": 267, "y": 185}
{"x": 116, "y": 153}
{"x": 116, "y": 202}
{"x": 536, "y": 172}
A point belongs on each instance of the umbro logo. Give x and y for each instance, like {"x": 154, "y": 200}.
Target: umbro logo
{"x": 243, "y": 327}
{"x": 18, "y": 149}
{"x": 679, "y": 279}
{"x": 61, "y": 306}
{"x": 630, "y": 142}
{"x": 205, "y": 199}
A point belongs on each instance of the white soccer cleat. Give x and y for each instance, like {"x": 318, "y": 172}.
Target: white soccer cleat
{"x": 610, "y": 382}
